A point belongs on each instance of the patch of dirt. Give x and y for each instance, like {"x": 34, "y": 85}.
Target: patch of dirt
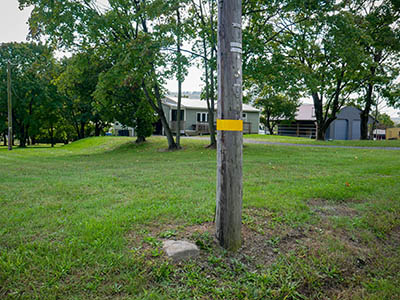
{"x": 328, "y": 209}
{"x": 261, "y": 245}
{"x": 351, "y": 253}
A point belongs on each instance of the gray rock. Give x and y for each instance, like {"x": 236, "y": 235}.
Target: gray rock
{"x": 178, "y": 250}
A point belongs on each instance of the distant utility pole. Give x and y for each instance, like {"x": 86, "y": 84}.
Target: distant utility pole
{"x": 10, "y": 131}
{"x": 229, "y": 125}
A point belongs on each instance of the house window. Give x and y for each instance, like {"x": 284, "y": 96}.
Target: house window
{"x": 244, "y": 117}
{"x": 202, "y": 117}
{"x": 174, "y": 115}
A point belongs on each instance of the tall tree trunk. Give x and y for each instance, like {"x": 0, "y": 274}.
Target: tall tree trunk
{"x": 320, "y": 117}
{"x": 22, "y": 141}
{"x": 140, "y": 139}
{"x": 160, "y": 112}
{"x": 9, "y": 104}
{"x": 180, "y": 75}
{"x": 269, "y": 125}
{"x": 364, "y": 116}
{"x": 157, "y": 108}
{"x": 171, "y": 143}
{"x": 5, "y": 139}
{"x": 82, "y": 130}
{"x": 373, "y": 127}
{"x": 208, "y": 64}
{"x": 52, "y": 136}
{"x": 210, "y": 106}
{"x": 213, "y": 140}
{"x": 97, "y": 129}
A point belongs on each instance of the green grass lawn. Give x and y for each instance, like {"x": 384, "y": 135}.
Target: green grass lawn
{"x": 86, "y": 221}
{"x": 308, "y": 141}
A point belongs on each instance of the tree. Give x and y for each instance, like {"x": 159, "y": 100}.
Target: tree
{"x": 180, "y": 62}
{"x": 30, "y": 66}
{"x": 275, "y": 107}
{"x": 203, "y": 23}
{"x": 3, "y": 107}
{"x": 323, "y": 55}
{"x": 385, "y": 121}
{"x": 377, "y": 22}
{"x": 138, "y": 29}
{"x": 50, "y": 110}
{"x": 77, "y": 82}
{"x": 124, "y": 102}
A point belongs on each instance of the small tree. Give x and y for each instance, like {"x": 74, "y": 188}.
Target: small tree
{"x": 275, "y": 107}
{"x": 384, "y": 121}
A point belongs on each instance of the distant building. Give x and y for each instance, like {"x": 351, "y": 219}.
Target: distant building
{"x": 121, "y": 130}
{"x": 393, "y": 133}
{"x": 347, "y": 125}
{"x": 379, "y": 134}
{"x": 304, "y": 124}
{"x": 194, "y": 116}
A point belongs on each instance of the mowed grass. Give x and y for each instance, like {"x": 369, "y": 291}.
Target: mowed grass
{"x": 86, "y": 221}
{"x": 308, "y": 141}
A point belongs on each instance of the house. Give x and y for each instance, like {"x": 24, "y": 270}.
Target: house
{"x": 393, "y": 133}
{"x": 347, "y": 125}
{"x": 194, "y": 116}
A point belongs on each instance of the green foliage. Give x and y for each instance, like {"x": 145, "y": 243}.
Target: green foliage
{"x": 384, "y": 121}
{"x": 35, "y": 100}
{"x": 274, "y": 106}
{"x": 121, "y": 98}
{"x": 77, "y": 82}
{"x": 324, "y": 49}
{"x": 132, "y": 34}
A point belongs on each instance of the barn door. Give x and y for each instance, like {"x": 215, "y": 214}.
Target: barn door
{"x": 356, "y": 130}
{"x": 341, "y": 129}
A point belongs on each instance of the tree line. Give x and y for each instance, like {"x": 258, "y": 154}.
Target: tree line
{"x": 334, "y": 52}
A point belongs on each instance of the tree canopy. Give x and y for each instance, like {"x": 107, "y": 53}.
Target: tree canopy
{"x": 334, "y": 52}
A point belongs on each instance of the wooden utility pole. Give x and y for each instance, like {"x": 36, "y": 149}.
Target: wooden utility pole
{"x": 229, "y": 125}
{"x": 10, "y": 131}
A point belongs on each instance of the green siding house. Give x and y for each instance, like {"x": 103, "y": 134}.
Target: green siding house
{"x": 194, "y": 116}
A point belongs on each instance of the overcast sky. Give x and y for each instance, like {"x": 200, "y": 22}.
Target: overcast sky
{"x": 14, "y": 28}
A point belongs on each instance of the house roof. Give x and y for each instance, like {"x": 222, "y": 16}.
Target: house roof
{"x": 305, "y": 112}
{"x": 200, "y": 104}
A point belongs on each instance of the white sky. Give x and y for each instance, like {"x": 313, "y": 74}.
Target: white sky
{"x": 14, "y": 28}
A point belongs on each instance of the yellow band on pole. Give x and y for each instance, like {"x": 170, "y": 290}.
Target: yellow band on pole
{"x": 230, "y": 125}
